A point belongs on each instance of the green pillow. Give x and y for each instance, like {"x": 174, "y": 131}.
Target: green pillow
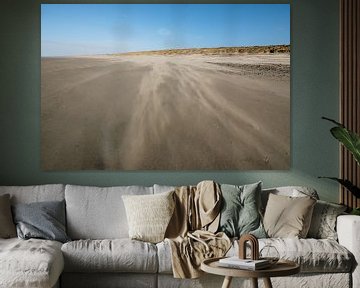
{"x": 240, "y": 212}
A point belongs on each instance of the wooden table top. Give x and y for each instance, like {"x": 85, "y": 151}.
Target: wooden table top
{"x": 281, "y": 268}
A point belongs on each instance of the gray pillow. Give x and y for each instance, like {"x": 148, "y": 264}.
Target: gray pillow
{"x": 323, "y": 222}
{"x": 44, "y": 220}
{"x": 240, "y": 213}
{"x": 7, "y": 227}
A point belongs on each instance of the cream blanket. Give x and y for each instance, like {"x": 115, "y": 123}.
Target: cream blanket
{"x": 191, "y": 231}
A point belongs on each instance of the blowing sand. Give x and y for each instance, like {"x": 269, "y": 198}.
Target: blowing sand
{"x": 187, "y": 112}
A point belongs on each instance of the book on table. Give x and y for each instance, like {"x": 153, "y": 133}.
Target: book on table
{"x": 236, "y": 262}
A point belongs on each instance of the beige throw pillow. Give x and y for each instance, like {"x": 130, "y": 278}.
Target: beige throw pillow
{"x": 288, "y": 217}
{"x": 7, "y": 226}
{"x": 149, "y": 215}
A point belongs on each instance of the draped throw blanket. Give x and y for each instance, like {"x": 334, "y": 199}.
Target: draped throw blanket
{"x": 191, "y": 231}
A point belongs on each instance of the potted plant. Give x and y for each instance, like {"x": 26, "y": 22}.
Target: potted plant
{"x": 351, "y": 141}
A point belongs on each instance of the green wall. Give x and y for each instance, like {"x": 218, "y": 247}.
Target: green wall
{"x": 314, "y": 93}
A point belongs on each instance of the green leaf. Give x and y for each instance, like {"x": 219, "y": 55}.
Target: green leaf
{"x": 333, "y": 121}
{"x": 355, "y": 211}
{"x": 347, "y": 184}
{"x": 348, "y": 138}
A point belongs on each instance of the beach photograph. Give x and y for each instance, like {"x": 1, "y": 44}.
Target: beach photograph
{"x": 165, "y": 87}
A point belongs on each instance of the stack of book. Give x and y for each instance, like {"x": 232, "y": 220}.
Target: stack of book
{"x": 248, "y": 264}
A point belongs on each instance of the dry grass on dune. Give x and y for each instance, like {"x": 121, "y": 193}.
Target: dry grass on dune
{"x": 274, "y": 49}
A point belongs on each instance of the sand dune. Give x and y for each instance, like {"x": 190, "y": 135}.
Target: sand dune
{"x": 166, "y": 112}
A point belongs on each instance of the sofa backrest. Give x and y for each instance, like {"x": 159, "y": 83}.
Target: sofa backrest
{"x": 37, "y": 193}
{"x": 98, "y": 212}
{"x": 162, "y": 188}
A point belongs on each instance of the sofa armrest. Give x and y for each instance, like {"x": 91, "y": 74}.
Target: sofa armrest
{"x": 348, "y": 230}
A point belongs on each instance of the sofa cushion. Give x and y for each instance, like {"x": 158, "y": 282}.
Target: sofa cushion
{"x": 30, "y": 263}
{"x": 291, "y": 191}
{"x": 240, "y": 210}
{"x": 98, "y": 213}
{"x": 37, "y": 193}
{"x": 117, "y": 255}
{"x": 7, "y": 227}
{"x": 149, "y": 215}
{"x": 323, "y": 222}
{"x": 43, "y": 220}
{"x": 313, "y": 255}
{"x": 287, "y": 216}
{"x": 162, "y": 188}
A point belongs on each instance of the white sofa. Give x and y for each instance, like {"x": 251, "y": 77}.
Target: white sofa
{"x": 101, "y": 255}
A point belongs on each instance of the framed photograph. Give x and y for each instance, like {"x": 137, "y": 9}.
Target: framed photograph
{"x": 165, "y": 86}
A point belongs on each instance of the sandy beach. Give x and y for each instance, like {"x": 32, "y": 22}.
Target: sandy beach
{"x": 167, "y": 112}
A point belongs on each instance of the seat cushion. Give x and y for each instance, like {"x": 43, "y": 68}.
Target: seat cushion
{"x": 98, "y": 213}
{"x": 117, "y": 255}
{"x": 30, "y": 263}
{"x": 313, "y": 255}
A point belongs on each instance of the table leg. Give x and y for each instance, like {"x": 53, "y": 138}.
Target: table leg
{"x": 267, "y": 283}
{"x": 227, "y": 282}
{"x": 254, "y": 282}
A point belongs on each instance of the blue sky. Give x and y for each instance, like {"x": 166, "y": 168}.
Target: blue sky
{"x": 85, "y": 29}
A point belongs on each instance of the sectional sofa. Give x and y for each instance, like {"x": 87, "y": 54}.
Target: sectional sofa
{"x": 101, "y": 254}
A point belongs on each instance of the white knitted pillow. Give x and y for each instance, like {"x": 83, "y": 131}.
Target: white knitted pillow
{"x": 149, "y": 215}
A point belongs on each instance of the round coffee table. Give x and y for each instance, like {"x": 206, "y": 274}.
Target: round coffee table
{"x": 281, "y": 268}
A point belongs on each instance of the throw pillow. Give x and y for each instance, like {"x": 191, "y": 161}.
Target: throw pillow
{"x": 240, "y": 213}
{"x": 43, "y": 220}
{"x": 149, "y": 215}
{"x": 7, "y": 227}
{"x": 323, "y": 222}
{"x": 288, "y": 217}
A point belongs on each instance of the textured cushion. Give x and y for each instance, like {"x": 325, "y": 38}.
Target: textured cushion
{"x": 98, "y": 213}
{"x": 38, "y": 193}
{"x": 149, "y": 215}
{"x": 7, "y": 227}
{"x": 117, "y": 255}
{"x": 313, "y": 255}
{"x": 44, "y": 220}
{"x": 323, "y": 222}
{"x": 287, "y": 216}
{"x": 240, "y": 210}
{"x": 30, "y": 263}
